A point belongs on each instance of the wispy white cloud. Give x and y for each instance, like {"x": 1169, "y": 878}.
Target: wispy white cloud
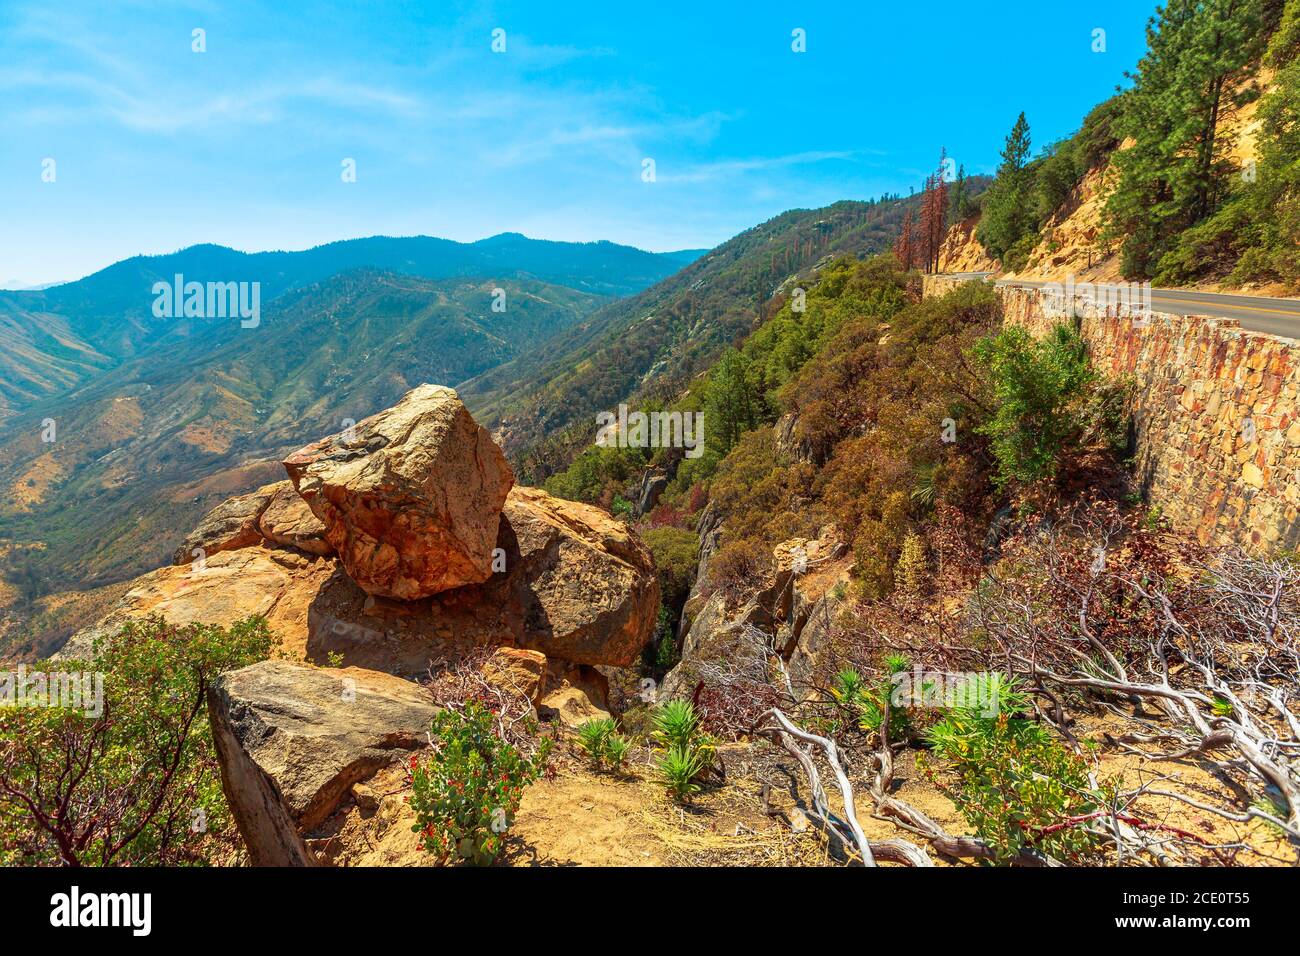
{"x": 730, "y": 168}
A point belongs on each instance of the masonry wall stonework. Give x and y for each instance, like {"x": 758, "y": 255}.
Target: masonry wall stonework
{"x": 1216, "y": 413}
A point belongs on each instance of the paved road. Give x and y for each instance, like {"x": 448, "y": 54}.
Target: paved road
{"x": 1257, "y": 313}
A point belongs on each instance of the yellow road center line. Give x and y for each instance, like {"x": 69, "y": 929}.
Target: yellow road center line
{"x": 1226, "y": 305}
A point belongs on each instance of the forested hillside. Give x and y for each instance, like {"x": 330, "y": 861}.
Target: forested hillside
{"x": 649, "y": 347}
{"x": 891, "y": 483}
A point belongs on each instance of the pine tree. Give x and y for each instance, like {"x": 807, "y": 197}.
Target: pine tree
{"x": 959, "y": 206}
{"x": 1008, "y": 207}
{"x": 1177, "y": 171}
{"x": 732, "y": 405}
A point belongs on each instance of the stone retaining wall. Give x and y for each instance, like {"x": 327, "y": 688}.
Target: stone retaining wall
{"x": 1216, "y": 410}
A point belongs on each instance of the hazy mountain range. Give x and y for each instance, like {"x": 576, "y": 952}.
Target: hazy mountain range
{"x": 54, "y": 339}
{"x": 158, "y": 419}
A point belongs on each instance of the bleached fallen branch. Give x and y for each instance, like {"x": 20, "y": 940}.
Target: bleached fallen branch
{"x": 844, "y": 829}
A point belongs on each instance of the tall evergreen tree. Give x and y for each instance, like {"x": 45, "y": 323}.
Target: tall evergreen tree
{"x": 1275, "y": 195}
{"x": 1008, "y": 206}
{"x": 1177, "y": 170}
{"x": 733, "y": 405}
{"x": 959, "y": 205}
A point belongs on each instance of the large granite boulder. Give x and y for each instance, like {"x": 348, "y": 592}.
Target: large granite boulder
{"x": 411, "y": 497}
{"x": 585, "y": 583}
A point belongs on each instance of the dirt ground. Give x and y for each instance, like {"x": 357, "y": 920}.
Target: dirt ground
{"x": 577, "y": 817}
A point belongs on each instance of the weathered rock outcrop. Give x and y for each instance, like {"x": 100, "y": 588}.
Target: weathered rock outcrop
{"x": 708, "y": 528}
{"x": 288, "y": 521}
{"x": 576, "y": 585}
{"x": 564, "y": 579}
{"x": 653, "y": 482}
{"x": 793, "y": 614}
{"x": 410, "y": 498}
{"x": 293, "y": 740}
{"x": 788, "y": 444}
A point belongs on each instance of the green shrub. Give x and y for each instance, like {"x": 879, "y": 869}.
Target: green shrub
{"x": 606, "y": 748}
{"x": 912, "y": 572}
{"x": 466, "y": 791}
{"x": 135, "y": 785}
{"x": 738, "y": 565}
{"x": 676, "y": 554}
{"x": 598, "y": 471}
{"x": 1042, "y": 389}
{"x": 1018, "y": 788}
{"x": 666, "y": 656}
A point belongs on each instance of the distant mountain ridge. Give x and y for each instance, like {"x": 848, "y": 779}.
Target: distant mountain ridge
{"x": 144, "y": 448}
{"x": 54, "y": 339}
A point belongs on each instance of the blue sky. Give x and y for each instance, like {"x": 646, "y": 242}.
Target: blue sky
{"x": 157, "y": 147}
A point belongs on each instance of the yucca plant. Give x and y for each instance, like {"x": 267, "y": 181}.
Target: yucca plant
{"x": 604, "y": 745}
{"x": 847, "y": 687}
{"x": 897, "y": 663}
{"x": 677, "y": 770}
{"x": 867, "y": 703}
{"x": 675, "y": 723}
{"x": 616, "y": 749}
{"x": 688, "y": 752}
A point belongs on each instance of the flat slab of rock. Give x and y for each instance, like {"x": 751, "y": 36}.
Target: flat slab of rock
{"x": 288, "y": 521}
{"x": 276, "y": 583}
{"x": 293, "y": 739}
{"x": 227, "y": 527}
{"x": 410, "y": 498}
